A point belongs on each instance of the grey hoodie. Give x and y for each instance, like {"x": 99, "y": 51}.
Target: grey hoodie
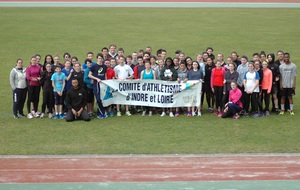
{"x": 17, "y": 78}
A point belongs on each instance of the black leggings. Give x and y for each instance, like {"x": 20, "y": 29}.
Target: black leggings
{"x": 48, "y": 100}
{"x": 266, "y": 98}
{"x": 219, "y": 95}
{"x": 33, "y": 96}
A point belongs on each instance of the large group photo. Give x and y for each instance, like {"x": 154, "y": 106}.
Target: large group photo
{"x": 70, "y": 88}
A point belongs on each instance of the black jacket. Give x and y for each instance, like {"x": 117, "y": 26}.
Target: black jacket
{"x": 76, "y": 98}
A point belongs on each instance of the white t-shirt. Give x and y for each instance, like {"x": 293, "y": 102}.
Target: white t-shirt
{"x": 122, "y": 72}
{"x": 251, "y": 78}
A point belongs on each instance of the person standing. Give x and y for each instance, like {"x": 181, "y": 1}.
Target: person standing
{"x": 48, "y": 95}
{"x": 276, "y": 75}
{"x": 58, "y": 82}
{"x": 76, "y": 102}
{"x": 288, "y": 74}
{"x": 98, "y": 73}
{"x": 217, "y": 86}
{"x": 123, "y": 72}
{"x": 18, "y": 84}
{"x": 33, "y": 76}
{"x": 266, "y": 86}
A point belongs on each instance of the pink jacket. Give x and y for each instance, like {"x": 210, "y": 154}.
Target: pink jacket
{"x": 235, "y": 96}
{"x": 33, "y": 72}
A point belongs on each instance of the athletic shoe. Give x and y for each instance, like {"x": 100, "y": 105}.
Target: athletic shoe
{"x": 21, "y": 115}
{"x": 36, "y": 115}
{"x": 128, "y": 113}
{"x": 119, "y": 114}
{"x": 281, "y": 112}
{"x": 16, "y": 116}
{"x": 199, "y": 114}
{"x": 246, "y": 114}
{"x": 171, "y": 114}
{"x": 163, "y": 114}
{"x": 216, "y": 112}
{"x": 99, "y": 116}
{"x": 189, "y": 114}
{"x": 277, "y": 111}
{"x": 29, "y": 116}
{"x": 150, "y": 113}
{"x": 176, "y": 114}
{"x": 39, "y": 113}
{"x": 138, "y": 110}
{"x": 61, "y": 116}
{"x": 111, "y": 114}
{"x": 292, "y": 113}
{"x": 42, "y": 115}
{"x": 90, "y": 115}
{"x": 256, "y": 115}
{"x": 50, "y": 115}
{"x": 267, "y": 113}
{"x": 56, "y": 116}
{"x": 144, "y": 113}
{"x": 210, "y": 110}
{"x": 220, "y": 114}
{"x": 104, "y": 116}
{"x": 236, "y": 117}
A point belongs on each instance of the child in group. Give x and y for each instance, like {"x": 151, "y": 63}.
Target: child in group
{"x": 266, "y": 86}
{"x": 110, "y": 74}
{"x": 58, "y": 83}
{"x": 217, "y": 85}
{"x": 67, "y": 70}
{"x": 182, "y": 77}
{"x": 207, "y": 88}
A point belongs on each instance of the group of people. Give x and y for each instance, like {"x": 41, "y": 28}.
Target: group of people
{"x": 231, "y": 86}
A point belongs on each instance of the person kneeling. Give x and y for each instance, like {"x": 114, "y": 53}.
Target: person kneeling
{"x": 234, "y": 106}
{"x": 76, "y": 101}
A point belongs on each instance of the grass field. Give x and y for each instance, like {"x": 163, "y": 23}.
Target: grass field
{"x": 27, "y": 31}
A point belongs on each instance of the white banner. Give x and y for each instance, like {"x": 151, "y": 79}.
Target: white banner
{"x": 155, "y": 93}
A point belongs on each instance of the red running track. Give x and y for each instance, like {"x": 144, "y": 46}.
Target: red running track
{"x": 148, "y": 169}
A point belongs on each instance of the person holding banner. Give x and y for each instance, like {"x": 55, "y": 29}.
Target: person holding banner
{"x": 182, "y": 77}
{"x": 148, "y": 74}
{"x": 168, "y": 73}
{"x": 123, "y": 72}
{"x": 195, "y": 74}
{"x": 98, "y": 73}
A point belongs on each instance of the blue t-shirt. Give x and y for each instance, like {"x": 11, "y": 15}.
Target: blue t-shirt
{"x": 98, "y": 71}
{"x": 69, "y": 82}
{"x": 86, "y": 78}
{"x": 58, "y": 81}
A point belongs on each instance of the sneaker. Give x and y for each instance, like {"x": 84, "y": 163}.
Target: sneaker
{"x": 111, "y": 114}
{"x": 176, "y": 114}
{"x": 99, "y": 116}
{"x": 189, "y": 114}
{"x": 199, "y": 114}
{"x": 292, "y": 112}
{"x": 138, "y": 110}
{"x": 216, "y": 112}
{"x": 281, "y": 112}
{"x": 163, "y": 114}
{"x": 128, "y": 113}
{"x": 193, "y": 114}
{"x": 277, "y": 111}
{"x": 171, "y": 114}
{"x": 50, "y": 115}
{"x": 119, "y": 114}
{"x": 220, "y": 114}
{"x": 256, "y": 115}
{"x": 144, "y": 113}
{"x": 61, "y": 116}
{"x": 16, "y": 116}
{"x": 90, "y": 115}
{"x": 104, "y": 116}
{"x": 29, "y": 116}
{"x": 236, "y": 117}
{"x": 42, "y": 116}
{"x": 210, "y": 110}
{"x": 267, "y": 113}
{"x": 39, "y": 113}
{"x": 246, "y": 114}
{"x": 36, "y": 115}
{"x": 56, "y": 116}
{"x": 21, "y": 115}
